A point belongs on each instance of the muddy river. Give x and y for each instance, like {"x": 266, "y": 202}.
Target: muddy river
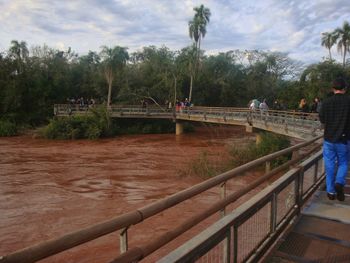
{"x": 49, "y": 188}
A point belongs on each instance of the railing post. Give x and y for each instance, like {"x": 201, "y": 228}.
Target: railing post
{"x": 223, "y": 196}
{"x": 235, "y": 244}
{"x": 295, "y": 155}
{"x": 273, "y": 213}
{"x": 123, "y": 238}
{"x": 299, "y": 189}
{"x": 226, "y": 244}
{"x": 267, "y": 167}
{"x": 316, "y": 171}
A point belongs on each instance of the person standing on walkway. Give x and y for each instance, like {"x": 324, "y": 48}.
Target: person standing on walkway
{"x": 335, "y": 115}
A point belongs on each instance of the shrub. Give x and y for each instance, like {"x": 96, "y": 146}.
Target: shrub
{"x": 270, "y": 143}
{"x": 93, "y": 126}
{"x": 7, "y": 128}
{"x": 203, "y": 167}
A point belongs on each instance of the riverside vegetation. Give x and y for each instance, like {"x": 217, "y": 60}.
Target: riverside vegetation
{"x": 206, "y": 166}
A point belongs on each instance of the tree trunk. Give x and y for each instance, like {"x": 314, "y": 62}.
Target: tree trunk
{"x": 109, "y": 77}
{"x": 191, "y": 85}
{"x": 344, "y": 56}
{"x": 109, "y": 93}
{"x": 175, "y": 95}
{"x": 330, "y": 54}
{"x": 198, "y": 54}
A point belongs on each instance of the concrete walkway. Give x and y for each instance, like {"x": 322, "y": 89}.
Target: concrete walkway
{"x": 322, "y": 233}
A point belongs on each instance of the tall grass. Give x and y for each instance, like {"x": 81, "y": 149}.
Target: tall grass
{"x": 205, "y": 167}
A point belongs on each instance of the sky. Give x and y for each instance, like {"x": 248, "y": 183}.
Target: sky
{"x": 290, "y": 26}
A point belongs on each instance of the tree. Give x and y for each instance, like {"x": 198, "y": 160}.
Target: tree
{"x": 343, "y": 37}
{"x": 328, "y": 41}
{"x": 197, "y": 30}
{"x": 114, "y": 59}
{"x": 19, "y": 53}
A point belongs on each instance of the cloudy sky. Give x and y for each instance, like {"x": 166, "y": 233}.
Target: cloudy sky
{"x": 292, "y": 26}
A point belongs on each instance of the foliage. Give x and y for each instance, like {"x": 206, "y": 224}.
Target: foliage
{"x": 269, "y": 143}
{"x": 197, "y": 30}
{"x": 341, "y": 37}
{"x": 7, "y": 128}
{"x": 92, "y": 126}
{"x": 203, "y": 166}
{"x": 206, "y": 165}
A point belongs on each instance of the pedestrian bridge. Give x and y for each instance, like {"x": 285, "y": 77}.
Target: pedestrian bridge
{"x": 289, "y": 123}
{"x": 270, "y": 220}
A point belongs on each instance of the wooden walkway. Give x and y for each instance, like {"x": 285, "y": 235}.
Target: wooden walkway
{"x": 322, "y": 233}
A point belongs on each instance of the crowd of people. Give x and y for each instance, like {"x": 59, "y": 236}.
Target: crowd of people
{"x": 313, "y": 108}
{"x": 303, "y": 106}
{"x": 81, "y": 102}
{"x": 180, "y": 105}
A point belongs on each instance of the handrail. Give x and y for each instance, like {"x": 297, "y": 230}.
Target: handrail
{"x": 228, "y": 227}
{"x": 54, "y": 246}
{"x": 140, "y": 252}
{"x": 195, "y": 108}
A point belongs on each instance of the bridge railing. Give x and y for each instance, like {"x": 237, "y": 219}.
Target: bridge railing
{"x": 283, "y": 118}
{"x": 248, "y": 232}
{"x": 115, "y": 110}
{"x": 124, "y": 222}
{"x": 70, "y": 109}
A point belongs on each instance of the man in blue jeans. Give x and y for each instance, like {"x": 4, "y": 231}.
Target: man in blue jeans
{"x": 335, "y": 115}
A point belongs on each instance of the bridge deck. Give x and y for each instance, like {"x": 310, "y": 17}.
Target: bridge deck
{"x": 322, "y": 233}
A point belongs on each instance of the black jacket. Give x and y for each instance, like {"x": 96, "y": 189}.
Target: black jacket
{"x": 335, "y": 115}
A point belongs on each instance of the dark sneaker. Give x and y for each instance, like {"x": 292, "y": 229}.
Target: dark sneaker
{"x": 331, "y": 196}
{"x": 340, "y": 192}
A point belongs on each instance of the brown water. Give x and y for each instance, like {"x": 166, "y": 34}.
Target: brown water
{"x": 49, "y": 188}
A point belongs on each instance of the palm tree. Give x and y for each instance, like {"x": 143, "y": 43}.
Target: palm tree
{"x": 114, "y": 59}
{"x": 19, "y": 52}
{"x": 197, "y": 30}
{"x": 328, "y": 41}
{"x": 343, "y": 37}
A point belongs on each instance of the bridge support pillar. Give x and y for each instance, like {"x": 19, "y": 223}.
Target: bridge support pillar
{"x": 249, "y": 128}
{"x": 179, "y": 128}
{"x": 258, "y": 139}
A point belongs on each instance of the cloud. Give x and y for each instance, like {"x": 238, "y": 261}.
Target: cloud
{"x": 292, "y": 26}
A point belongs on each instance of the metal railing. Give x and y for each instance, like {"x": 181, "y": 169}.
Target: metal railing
{"x": 295, "y": 124}
{"x": 124, "y": 222}
{"x": 128, "y": 111}
{"x": 248, "y": 232}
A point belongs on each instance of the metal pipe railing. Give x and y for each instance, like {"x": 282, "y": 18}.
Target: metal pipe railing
{"x": 138, "y": 253}
{"x": 206, "y": 241}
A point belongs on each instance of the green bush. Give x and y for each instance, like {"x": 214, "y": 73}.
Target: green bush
{"x": 93, "y": 126}
{"x": 7, "y": 128}
{"x": 270, "y": 143}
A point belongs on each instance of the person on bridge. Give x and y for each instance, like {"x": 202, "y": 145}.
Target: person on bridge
{"x": 335, "y": 115}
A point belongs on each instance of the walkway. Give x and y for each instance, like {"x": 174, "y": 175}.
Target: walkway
{"x": 322, "y": 233}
